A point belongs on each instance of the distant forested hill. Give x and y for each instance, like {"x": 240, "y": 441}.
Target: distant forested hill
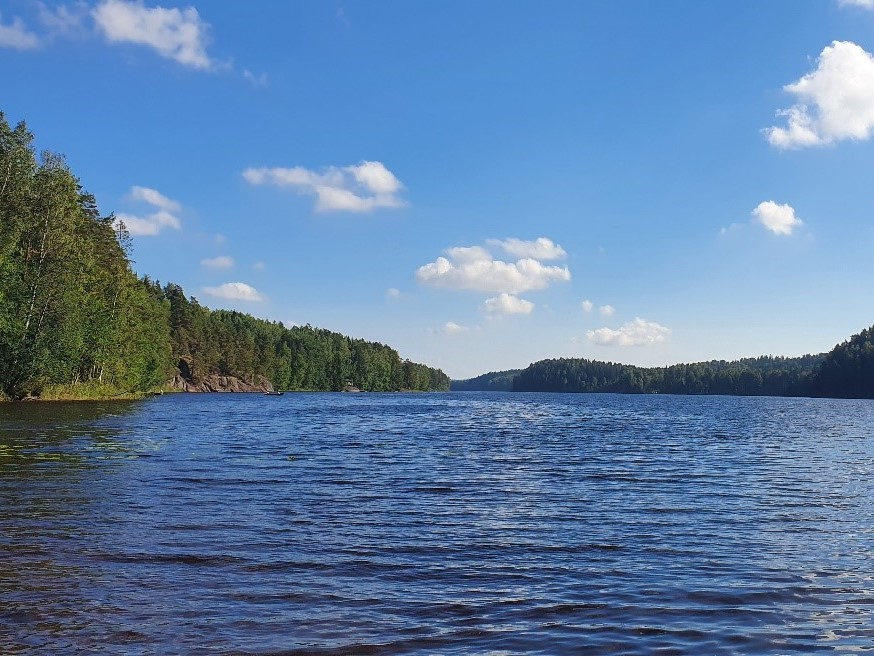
{"x": 494, "y": 381}
{"x": 764, "y": 376}
{"x": 73, "y": 314}
{"x": 847, "y": 371}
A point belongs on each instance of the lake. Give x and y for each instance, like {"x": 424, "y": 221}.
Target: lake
{"x": 457, "y": 523}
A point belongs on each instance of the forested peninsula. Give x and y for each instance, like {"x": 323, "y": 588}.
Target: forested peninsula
{"x": 77, "y": 322}
{"x": 847, "y": 371}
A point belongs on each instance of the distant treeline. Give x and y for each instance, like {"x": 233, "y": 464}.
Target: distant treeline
{"x": 73, "y": 314}
{"x": 847, "y": 371}
{"x": 494, "y": 381}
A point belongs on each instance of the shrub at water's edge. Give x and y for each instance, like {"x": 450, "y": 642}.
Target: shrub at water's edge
{"x": 76, "y": 321}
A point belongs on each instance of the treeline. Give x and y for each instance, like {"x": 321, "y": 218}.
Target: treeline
{"x": 298, "y": 358}
{"x": 73, "y": 314}
{"x": 764, "y": 376}
{"x": 494, "y": 381}
{"x": 847, "y": 371}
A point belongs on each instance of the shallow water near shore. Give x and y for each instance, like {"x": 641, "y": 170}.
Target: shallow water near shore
{"x": 458, "y": 523}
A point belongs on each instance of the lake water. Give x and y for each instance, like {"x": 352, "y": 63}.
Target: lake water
{"x": 437, "y": 524}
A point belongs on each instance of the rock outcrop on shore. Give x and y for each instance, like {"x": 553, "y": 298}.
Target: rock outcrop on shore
{"x": 188, "y": 379}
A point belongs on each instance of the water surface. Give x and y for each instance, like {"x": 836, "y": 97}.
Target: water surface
{"x": 461, "y": 523}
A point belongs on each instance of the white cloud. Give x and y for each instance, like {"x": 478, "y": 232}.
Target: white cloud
{"x": 587, "y": 305}
{"x": 177, "y": 34}
{"x": 607, "y": 310}
{"x": 835, "y": 101}
{"x": 63, "y": 19}
{"x": 220, "y": 262}
{"x": 779, "y": 219}
{"x": 151, "y": 224}
{"x": 153, "y": 197}
{"x": 634, "y": 333}
{"x": 255, "y": 80}
{"x": 291, "y": 324}
{"x": 865, "y": 4}
{"x": 259, "y": 266}
{"x": 146, "y": 226}
{"x": 541, "y": 248}
{"x": 16, "y": 36}
{"x": 392, "y": 292}
{"x": 472, "y": 268}
{"x": 452, "y": 328}
{"x": 508, "y": 304}
{"x": 361, "y": 187}
{"x": 237, "y": 291}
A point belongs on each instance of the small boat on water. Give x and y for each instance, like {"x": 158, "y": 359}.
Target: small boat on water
{"x": 273, "y": 393}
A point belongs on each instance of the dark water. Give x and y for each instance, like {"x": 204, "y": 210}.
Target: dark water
{"x": 437, "y": 524}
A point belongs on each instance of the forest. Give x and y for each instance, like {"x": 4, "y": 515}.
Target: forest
{"x": 847, "y": 371}
{"x": 76, "y": 321}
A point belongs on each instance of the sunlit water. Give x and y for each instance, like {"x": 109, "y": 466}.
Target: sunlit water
{"x": 444, "y": 523}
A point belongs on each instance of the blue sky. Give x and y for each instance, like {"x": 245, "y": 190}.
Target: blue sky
{"x": 479, "y": 184}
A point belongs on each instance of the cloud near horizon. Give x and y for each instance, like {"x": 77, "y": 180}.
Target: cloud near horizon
{"x": 779, "y": 219}
{"x": 150, "y": 224}
{"x": 177, "y": 34}
{"x": 634, "y": 333}
{"x": 473, "y": 268}
{"x": 835, "y": 101}
{"x": 236, "y": 291}
{"x": 361, "y": 187}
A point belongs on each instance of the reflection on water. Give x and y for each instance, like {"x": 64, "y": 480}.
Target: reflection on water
{"x": 452, "y": 523}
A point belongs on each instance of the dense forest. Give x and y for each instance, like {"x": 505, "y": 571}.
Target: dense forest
{"x": 847, "y": 371}
{"x": 74, "y": 315}
{"x": 494, "y": 381}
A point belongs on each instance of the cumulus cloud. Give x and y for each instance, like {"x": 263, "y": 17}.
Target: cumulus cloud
{"x": 607, "y": 310}
{"x": 361, "y": 187}
{"x": 16, "y": 36}
{"x": 151, "y": 224}
{"x": 508, "y": 304}
{"x": 177, "y": 34}
{"x": 220, "y": 262}
{"x": 541, "y": 248}
{"x": 835, "y": 101}
{"x": 587, "y": 305}
{"x": 634, "y": 333}
{"x": 779, "y": 219}
{"x": 236, "y": 291}
{"x": 473, "y": 268}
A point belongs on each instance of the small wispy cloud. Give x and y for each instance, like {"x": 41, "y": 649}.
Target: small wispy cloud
{"x": 607, "y": 310}
{"x": 16, "y": 36}
{"x": 236, "y": 291}
{"x": 362, "y": 187}
{"x": 151, "y": 224}
{"x": 864, "y": 4}
{"x": 255, "y": 80}
{"x": 220, "y": 262}
{"x": 452, "y": 328}
{"x": 541, "y": 248}
{"x": 587, "y": 306}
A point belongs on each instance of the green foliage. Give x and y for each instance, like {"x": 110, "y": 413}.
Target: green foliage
{"x": 763, "y": 376}
{"x": 848, "y": 369}
{"x": 298, "y": 358}
{"x": 494, "y": 381}
{"x": 76, "y": 321}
